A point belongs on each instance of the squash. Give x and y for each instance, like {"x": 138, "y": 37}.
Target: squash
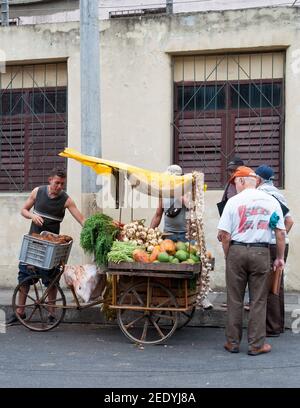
{"x": 168, "y": 246}
{"x": 139, "y": 255}
{"x": 154, "y": 253}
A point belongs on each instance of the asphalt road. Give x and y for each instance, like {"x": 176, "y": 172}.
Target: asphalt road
{"x": 82, "y": 356}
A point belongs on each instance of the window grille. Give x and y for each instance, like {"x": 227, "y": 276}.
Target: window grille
{"x": 33, "y": 124}
{"x": 226, "y": 105}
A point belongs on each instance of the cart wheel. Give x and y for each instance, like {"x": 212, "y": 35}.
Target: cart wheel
{"x": 147, "y": 327}
{"x": 185, "y": 318}
{"x": 42, "y": 314}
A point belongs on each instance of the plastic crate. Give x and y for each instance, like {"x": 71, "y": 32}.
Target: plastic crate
{"x": 43, "y": 254}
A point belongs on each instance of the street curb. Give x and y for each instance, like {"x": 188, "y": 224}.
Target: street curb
{"x": 215, "y": 317}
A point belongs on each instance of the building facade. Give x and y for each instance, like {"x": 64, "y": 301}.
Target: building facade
{"x": 192, "y": 88}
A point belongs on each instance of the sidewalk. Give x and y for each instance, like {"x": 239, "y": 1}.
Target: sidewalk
{"x": 215, "y": 317}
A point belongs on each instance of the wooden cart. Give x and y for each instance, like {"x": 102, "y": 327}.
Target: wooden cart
{"x": 152, "y": 300}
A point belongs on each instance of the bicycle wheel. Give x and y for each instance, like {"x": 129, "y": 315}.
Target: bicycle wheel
{"x": 41, "y": 312}
{"x": 147, "y": 327}
{"x": 185, "y": 318}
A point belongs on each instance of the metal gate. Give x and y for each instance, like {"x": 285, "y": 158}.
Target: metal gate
{"x": 227, "y": 105}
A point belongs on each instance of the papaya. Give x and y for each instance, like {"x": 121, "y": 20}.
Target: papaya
{"x": 154, "y": 253}
{"x": 182, "y": 255}
{"x": 180, "y": 246}
{"x": 163, "y": 257}
{"x": 139, "y": 255}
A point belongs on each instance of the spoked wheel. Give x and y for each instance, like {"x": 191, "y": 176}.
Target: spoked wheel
{"x": 143, "y": 326}
{"x": 41, "y": 313}
{"x": 185, "y": 318}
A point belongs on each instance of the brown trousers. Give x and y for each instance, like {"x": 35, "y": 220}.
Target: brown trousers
{"x": 247, "y": 265}
{"x": 275, "y": 303}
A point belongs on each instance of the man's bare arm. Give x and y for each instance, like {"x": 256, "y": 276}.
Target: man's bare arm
{"x": 71, "y": 206}
{"x": 226, "y": 238}
{"x": 288, "y": 223}
{"x": 157, "y": 216}
{"x": 280, "y": 247}
{"x": 29, "y": 203}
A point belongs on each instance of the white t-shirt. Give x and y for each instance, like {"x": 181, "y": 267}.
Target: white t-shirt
{"x": 246, "y": 216}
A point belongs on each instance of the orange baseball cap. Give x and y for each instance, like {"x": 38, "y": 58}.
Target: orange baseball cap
{"x": 243, "y": 171}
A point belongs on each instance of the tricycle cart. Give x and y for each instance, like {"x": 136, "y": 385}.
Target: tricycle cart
{"x": 152, "y": 300}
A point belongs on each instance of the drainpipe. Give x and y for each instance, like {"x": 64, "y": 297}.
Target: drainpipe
{"x": 4, "y": 13}
{"x": 90, "y": 89}
{"x": 169, "y": 6}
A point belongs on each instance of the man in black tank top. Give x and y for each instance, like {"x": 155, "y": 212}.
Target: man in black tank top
{"x": 49, "y": 204}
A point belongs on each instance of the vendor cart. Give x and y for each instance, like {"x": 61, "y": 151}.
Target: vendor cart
{"x": 152, "y": 300}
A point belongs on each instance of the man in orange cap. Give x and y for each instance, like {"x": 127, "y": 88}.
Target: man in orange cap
{"x": 246, "y": 226}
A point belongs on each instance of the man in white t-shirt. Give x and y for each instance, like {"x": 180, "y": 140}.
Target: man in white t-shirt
{"x": 246, "y": 226}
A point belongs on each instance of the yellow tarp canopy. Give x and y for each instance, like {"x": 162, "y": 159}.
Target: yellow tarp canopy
{"x": 148, "y": 182}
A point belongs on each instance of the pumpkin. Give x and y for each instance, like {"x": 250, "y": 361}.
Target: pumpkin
{"x": 168, "y": 246}
{"x": 139, "y": 255}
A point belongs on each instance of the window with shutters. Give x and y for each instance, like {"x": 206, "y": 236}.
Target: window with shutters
{"x": 229, "y": 105}
{"x": 33, "y": 124}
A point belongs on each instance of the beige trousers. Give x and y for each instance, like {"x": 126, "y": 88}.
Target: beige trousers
{"x": 247, "y": 265}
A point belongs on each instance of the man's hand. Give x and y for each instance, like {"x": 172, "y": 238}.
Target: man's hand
{"x": 278, "y": 263}
{"x": 37, "y": 220}
{"x": 219, "y": 236}
{"x": 225, "y": 239}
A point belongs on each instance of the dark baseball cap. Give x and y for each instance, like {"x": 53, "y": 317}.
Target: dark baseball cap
{"x": 265, "y": 172}
{"x": 234, "y": 163}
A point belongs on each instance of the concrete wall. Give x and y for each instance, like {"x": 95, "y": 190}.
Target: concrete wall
{"x": 136, "y": 97}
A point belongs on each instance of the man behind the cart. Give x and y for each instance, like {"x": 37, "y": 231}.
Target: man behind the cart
{"x": 246, "y": 225}
{"x": 49, "y": 203}
{"x": 175, "y": 217}
{"x": 174, "y": 211}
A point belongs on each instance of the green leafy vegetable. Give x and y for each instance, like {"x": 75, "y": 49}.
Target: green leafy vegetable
{"x": 97, "y": 236}
{"x": 121, "y": 252}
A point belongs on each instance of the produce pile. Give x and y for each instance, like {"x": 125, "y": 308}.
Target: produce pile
{"x": 56, "y": 239}
{"x": 97, "y": 236}
{"x": 137, "y": 233}
{"x": 167, "y": 252}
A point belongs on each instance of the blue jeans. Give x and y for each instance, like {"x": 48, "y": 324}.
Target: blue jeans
{"x": 177, "y": 236}
{"x": 47, "y": 275}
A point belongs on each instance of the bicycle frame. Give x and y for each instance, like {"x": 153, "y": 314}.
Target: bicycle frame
{"x": 77, "y": 305}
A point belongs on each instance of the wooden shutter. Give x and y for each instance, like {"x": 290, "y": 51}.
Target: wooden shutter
{"x": 12, "y": 155}
{"x": 257, "y": 141}
{"x": 30, "y": 141}
{"x": 199, "y": 143}
{"x": 45, "y": 140}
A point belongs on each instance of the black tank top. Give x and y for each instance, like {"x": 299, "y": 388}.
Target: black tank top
{"x": 51, "y": 209}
